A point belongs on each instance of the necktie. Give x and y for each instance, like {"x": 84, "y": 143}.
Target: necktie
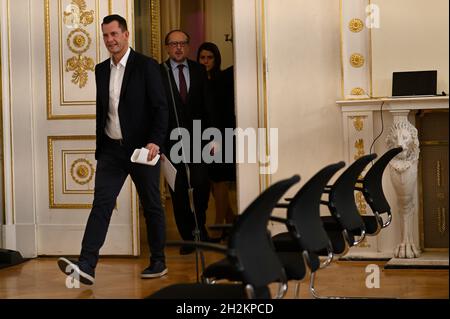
{"x": 182, "y": 82}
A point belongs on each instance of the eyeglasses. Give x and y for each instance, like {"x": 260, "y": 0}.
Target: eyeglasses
{"x": 179, "y": 43}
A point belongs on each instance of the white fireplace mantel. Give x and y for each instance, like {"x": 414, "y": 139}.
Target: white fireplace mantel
{"x": 394, "y": 104}
{"x": 360, "y": 127}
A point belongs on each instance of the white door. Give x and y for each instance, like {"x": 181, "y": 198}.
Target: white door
{"x": 64, "y": 133}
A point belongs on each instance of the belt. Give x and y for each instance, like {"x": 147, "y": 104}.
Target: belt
{"x": 117, "y": 142}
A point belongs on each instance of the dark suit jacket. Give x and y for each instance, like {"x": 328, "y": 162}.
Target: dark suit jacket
{"x": 198, "y": 101}
{"x": 143, "y": 111}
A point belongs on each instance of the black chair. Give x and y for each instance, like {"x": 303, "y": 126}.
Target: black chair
{"x": 372, "y": 189}
{"x": 345, "y": 223}
{"x": 250, "y": 252}
{"x": 306, "y": 236}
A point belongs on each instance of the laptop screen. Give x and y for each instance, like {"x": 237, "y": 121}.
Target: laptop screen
{"x": 414, "y": 83}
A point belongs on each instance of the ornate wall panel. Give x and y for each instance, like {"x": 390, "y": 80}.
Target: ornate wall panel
{"x": 72, "y": 165}
{"x": 356, "y": 21}
{"x": 73, "y": 46}
{"x": 72, "y": 51}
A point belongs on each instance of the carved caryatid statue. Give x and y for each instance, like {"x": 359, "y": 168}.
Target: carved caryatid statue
{"x": 403, "y": 169}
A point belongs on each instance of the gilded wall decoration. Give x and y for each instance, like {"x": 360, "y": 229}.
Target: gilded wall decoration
{"x": 357, "y": 60}
{"x": 155, "y": 12}
{"x": 359, "y": 146}
{"x": 358, "y": 124}
{"x": 82, "y": 171}
{"x": 72, "y": 48}
{"x": 358, "y": 91}
{"x": 71, "y": 171}
{"x": 79, "y": 41}
{"x": 356, "y": 25}
{"x": 441, "y": 220}
{"x": 360, "y": 201}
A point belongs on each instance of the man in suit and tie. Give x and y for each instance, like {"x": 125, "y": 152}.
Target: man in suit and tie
{"x": 131, "y": 113}
{"x": 188, "y": 81}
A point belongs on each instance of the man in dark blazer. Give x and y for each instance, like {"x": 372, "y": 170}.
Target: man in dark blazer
{"x": 188, "y": 81}
{"x": 131, "y": 113}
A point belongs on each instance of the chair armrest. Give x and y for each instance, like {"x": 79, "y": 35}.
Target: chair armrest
{"x": 199, "y": 244}
{"x": 278, "y": 219}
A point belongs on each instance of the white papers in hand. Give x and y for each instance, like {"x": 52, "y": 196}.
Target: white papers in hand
{"x": 169, "y": 171}
{"x": 140, "y": 156}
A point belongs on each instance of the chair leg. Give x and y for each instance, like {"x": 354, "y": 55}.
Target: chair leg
{"x": 282, "y": 290}
{"x": 208, "y": 281}
{"x": 297, "y": 290}
{"x": 317, "y": 296}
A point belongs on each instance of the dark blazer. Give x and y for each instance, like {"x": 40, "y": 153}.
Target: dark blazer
{"x": 143, "y": 110}
{"x": 198, "y": 100}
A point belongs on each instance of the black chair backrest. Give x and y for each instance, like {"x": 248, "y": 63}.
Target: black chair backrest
{"x": 303, "y": 212}
{"x": 342, "y": 201}
{"x": 372, "y": 183}
{"x": 250, "y": 247}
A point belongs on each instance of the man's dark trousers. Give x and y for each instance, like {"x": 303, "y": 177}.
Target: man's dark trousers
{"x": 113, "y": 167}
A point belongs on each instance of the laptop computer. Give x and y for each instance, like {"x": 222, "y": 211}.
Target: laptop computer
{"x": 414, "y": 83}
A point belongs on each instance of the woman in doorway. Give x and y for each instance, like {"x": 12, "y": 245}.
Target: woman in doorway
{"x": 222, "y": 112}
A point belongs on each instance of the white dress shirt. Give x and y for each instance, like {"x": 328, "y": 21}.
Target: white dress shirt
{"x": 175, "y": 71}
{"x": 112, "y": 128}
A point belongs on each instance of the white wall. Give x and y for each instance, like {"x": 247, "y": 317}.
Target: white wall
{"x": 303, "y": 84}
{"x": 413, "y": 35}
{"x": 303, "y": 51}
{"x": 18, "y": 126}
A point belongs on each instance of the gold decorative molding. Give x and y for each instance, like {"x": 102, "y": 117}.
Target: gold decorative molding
{"x": 356, "y": 25}
{"x": 51, "y": 172}
{"x": 358, "y": 91}
{"x": 72, "y": 65}
{"x": 48, "y": 62}
{"x": 67, "y": 158}
{"x": 357, "y": 60}
{"x": 79, "y": 41}
{"x": 359, "y": 146}
{"x": 78, "y": 14}
{"x": 80, "y": 65}
{"x": 82, "y": 171}
{"x": 433, "y": 143}
{"x": 442, "y": 220}
{"x": 361, "y": 203}
{"x": 155, "y": 16}
{"x": 358, "y": 124}
{"x": 438, "y": 174}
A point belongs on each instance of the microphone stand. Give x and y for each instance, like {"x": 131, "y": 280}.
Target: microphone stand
{"x": 196, "y": 232}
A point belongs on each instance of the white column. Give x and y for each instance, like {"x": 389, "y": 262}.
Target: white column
{"x": 355, "y": 49}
